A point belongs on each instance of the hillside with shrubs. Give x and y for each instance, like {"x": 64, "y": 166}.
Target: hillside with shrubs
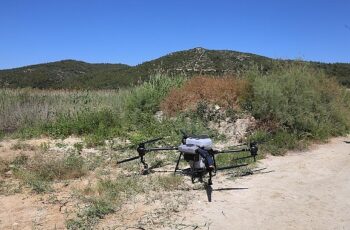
{"x": 71, "y": 74}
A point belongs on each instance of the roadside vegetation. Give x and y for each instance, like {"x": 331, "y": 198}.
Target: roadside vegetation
{"x": 292, "y": 104}
{"x": 295, "y": 105}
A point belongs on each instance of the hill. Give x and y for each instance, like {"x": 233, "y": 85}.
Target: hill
{"x": 73, "y": 74}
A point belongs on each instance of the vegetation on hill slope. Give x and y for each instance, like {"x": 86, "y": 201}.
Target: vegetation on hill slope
{"x": 70, "y": 74}
{"x": 292, "y": 104}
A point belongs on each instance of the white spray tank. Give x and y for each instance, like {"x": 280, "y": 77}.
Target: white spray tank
{"x": 205, "y": 142}
{"x": 190, "y": 147}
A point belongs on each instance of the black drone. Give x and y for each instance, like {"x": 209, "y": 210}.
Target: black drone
{"x": 198, "y": 152}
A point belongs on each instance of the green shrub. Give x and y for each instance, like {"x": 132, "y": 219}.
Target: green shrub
{"x": 86, "y": 122}
{"x": 147, "y": 97}
{"x": 300, "y": 102}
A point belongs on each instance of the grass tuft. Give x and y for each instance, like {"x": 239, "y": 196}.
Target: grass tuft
{"x": 40, "y": 170}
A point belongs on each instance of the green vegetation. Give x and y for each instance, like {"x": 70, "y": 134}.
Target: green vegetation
{"x": 29, "y": 107}
{"x": 70, "y": 74}
{"x": 40, "y": 170}
{"x": 297, "y": 103}
{"x": 293, "y": 103}
{"x": 95, "y": 115}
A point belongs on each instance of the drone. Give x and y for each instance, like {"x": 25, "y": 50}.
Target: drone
{"x": 198, "y": 152}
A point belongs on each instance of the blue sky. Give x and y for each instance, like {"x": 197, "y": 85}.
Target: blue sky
{"x": 134, "y": 31}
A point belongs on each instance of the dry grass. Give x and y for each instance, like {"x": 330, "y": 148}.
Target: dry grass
{"x": 43, "y": 168}
{"x": 226, "y": 92}
{"x": 26, "y": 107}
{"x": 4, "y": 166}
{"x": 108, "y": 196}
{"x": 23, "y": 146}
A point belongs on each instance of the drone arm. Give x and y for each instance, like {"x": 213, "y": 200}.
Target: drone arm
{"x": 129, "y": 159}
{"x": 231, "y": 151}
{"x": 253, "y": 149}
{"x": 142, "y": 150}
{"x": 161, "y": 149}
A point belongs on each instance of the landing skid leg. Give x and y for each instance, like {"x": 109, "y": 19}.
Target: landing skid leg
{"x": 209, "y": 180}
{"x": 177, "y": 163}
{"x": 192, "y": 174}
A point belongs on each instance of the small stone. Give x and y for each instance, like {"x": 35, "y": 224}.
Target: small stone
{"x": 159, "y": 116}
{"x": 15, "y": 226}
{"x": 8, "y": 173}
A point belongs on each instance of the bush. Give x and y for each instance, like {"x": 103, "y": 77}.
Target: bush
{"x": 147, "y": 97}
{"x": 225, "y": 92}
{"x": 140, "y": 106}
{"x": 97, "y": 122}
{"x": 299, "y": 102}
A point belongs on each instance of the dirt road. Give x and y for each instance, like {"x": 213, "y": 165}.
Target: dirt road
{"x": 307, "y": 190}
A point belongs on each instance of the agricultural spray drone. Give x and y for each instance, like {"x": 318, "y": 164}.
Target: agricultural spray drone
{"x": 198, "y": 152}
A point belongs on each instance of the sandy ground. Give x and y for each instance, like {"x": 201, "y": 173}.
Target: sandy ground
{"x": 302, "y": 190}
{"x": 26, "y": 212}
{"x": 307, "y": 190}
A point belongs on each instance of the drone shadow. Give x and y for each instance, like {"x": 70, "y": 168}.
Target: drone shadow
{"x": 209, "y": 189}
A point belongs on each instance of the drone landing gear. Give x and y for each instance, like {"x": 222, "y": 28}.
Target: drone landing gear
{"x": 210, "y": 176}
{"x": 196, "y": 173}
{"x": 177, "y": 163}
